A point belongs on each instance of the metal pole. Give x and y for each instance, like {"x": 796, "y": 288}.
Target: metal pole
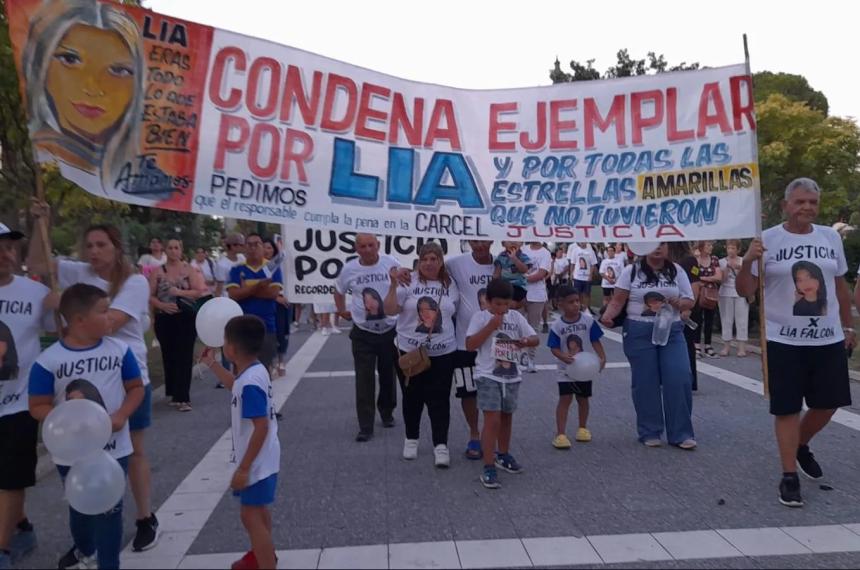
{"x": 758, "y": 231}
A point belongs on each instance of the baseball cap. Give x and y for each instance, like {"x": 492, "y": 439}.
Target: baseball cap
{"x": 6, "y": 233}
{"x": 235, "y": 239}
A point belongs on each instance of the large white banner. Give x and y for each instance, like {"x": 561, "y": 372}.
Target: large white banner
{"x": 198, "y": 119}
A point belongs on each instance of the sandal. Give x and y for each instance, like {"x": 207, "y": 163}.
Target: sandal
{"x": 184, "y": 407}
{"x": 709, "y": 351}
{"x": 473, "y": 450}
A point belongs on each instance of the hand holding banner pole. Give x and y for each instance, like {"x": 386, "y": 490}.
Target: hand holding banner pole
{"x": 758, "y": 214}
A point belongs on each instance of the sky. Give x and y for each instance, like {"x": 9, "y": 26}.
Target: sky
{"x": 500, "y": 44}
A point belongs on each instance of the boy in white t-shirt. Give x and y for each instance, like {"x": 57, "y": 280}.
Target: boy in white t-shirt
{"x": 499, "y": 336}
{"x": 574, "y": 332}
{"x": 87, "y": 363}
{"x": 255, "y": 434}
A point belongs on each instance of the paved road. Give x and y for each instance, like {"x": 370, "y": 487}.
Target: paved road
{"x": 335, "y": 494}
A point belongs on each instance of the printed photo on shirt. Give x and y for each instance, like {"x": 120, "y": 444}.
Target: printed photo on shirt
{"x": 610, "y": 273}
{"x": 583, "y": 264}
{"x": 429, "y": 316}
{"x": 482, "y": 299}
{"x": 574, "y": 344}
{"x": 653, "y": 303}
{"x": 372, "y": 304}
{"x": 81, "y": 389}
{"x": 507, "y": 367}
{"x": 810, "y": 290}
{"x": 8, "y": 354}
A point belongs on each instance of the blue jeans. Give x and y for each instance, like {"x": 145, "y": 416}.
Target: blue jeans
{"x": 662, "y": 383}
{"x": 101, "y": 534}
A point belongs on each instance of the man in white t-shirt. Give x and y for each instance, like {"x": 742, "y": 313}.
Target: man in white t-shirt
{"x": 807, "y": 306}
{"x": 23, "y": 316}
{"x": 234, "y": 254}
{"x": 536, "y": 294}
{"x": 583, "y": 263}
{"x": 610, "y": 270}
{"x": 372, "y": 335}
{"x": 472, "y": 272}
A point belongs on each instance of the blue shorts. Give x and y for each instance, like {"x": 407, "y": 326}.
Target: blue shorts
{"x": 582, "y": 287}
{"x": 142, "y": 416}
{"x": 259, "y": 494}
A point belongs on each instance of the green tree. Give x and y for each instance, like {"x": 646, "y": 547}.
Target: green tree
{"x": 625, "y": 66}
{"x": 794, "y": 87}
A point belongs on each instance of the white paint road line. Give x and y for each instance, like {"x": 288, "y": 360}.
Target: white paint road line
{"x": 568, "y": 550}
{"x": 210, "y": 479}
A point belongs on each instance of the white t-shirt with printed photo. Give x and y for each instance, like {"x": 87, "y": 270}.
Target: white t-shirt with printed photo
{"x": 800, "y": 271}
{"x": 22, "y": 318}
{"x": 559, "y": 269}
{"x": 541, "y": 259}
{"x": 427, "y": 308}
{"x": 472, "y": 279}
{"x": 368, "y": 285}
{"x": 612, "y": 266}
{"x": 132, "y": 299}
{"x": 252, "y": 398}
{"x": 646, "y": 299}
{"x": 572, "y": 338}
{"x": 582, "y": 260}
{"x": 97, "y": 374}
{"x": 497, "y": 359}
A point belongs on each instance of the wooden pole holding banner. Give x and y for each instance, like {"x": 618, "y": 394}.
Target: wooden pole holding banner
{"x": 758, "y": 230}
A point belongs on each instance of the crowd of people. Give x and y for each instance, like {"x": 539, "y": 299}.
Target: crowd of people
{"x": 472, "y": 322}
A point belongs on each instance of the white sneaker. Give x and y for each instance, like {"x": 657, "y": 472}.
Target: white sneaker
{"x": 443, "y": 456}
{"x": 532, "y": 368}
{"x": 410, "y": 449}
{"x": 335, "y": 330}
{"x": 294, "y": 328}
{"x": 325, "y": 331}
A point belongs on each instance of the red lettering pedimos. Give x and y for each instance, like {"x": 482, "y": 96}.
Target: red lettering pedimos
{"x": 625, "y": 115}
{"x": 269, "y": 89}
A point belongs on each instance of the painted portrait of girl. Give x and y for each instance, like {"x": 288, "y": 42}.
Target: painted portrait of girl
{"x": 84, "y": 67}
{"x": 810, "y": 296}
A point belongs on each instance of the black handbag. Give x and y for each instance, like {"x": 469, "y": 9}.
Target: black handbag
{"x": 191, "y": 306}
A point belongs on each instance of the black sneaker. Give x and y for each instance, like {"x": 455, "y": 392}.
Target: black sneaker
{"x": 789, "y": 492}
{"x": 807, "y": 464}
{"x": 74, "y": 558}
{"x": 363, "y": 436}
{"x": 146, "y": 536}
{"x": 388, "y": 422}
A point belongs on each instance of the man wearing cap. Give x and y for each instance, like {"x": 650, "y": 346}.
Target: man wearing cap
{"x": 234, "y": 250}
{"x": 807, "y": 306}
{"x": 22, "y": 316}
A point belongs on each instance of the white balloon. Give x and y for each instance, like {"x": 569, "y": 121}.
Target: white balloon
{"x": 75, "y": 429}
{"x": 95, "y": 484}
{"x": 584, "y": 368}
{"x": 643, "y": 248}
{"x": 212, "y": 317}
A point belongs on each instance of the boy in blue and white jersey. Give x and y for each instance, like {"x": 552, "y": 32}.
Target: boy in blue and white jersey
{"x": 255, "y": 434}
{"x": 87, "y": 363}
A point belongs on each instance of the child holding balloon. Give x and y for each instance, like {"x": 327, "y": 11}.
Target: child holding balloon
{"x": 87, "y": 363}
{"x": 572, "y": 334}
{"x": 255, "y": 434}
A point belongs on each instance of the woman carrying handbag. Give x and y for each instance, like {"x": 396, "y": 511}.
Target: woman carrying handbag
{"x": 426, "y": 343}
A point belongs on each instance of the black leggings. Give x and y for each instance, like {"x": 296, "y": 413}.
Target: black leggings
{"x": 431, "y": 388}
{"x": 176, "y": 334}
{"x": 705, "y": 319}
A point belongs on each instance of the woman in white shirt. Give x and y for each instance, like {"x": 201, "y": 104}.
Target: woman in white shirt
{"x": 204, "y": 264}
{"x": 662, "y": 380}
{"x": 425, "y": 312}
{"x": 734, "y": 309}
